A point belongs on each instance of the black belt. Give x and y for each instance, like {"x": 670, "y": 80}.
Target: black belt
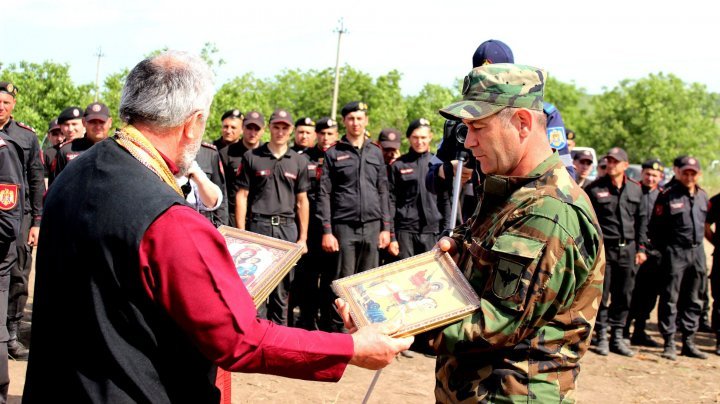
{"x": 273, "y": 220}
{"x": 617, "y": 243}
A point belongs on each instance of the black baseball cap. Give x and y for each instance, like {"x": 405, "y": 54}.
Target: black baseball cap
{"x": 69, "y": 114}
{"x": 325, "y": 123}
{"x": 653, "y": 164}
{"x": 678, "y": 160}
{"x": 281, "y": 115}
{"x": 689, "y": 163}
{"x": 389, "y": 138}
{"x": 583, "y": 155}
{"x": 492, "y": 51}
{"x": 618, "y": 154}
{"x": 233, "y": 113}
{"x": 352, "y": 107}
{"x": 8, "y": 88}
{"x": 418, "y": 123}
{"x": 306, "y": 121}
{"x": 97, "y": 110}
{"x": 254, "y": 117}
{"x": 53, "y": 125}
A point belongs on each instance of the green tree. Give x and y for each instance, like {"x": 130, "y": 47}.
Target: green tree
{"x": 572, "y": 104}
{"x": 657, "y": 116}
{"x": 111, "y": 92}
{"x": 44, "y": 89}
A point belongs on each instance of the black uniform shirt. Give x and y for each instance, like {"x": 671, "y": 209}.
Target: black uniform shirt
{"x": 620, "y": 212}
{"x": 713, "y": 217}
{"x": 208, "y": 159}
{"x": 678, "y": 218}
{"x": 231, "y": 156}
{"x": 413, "y": 207}
{"x": 11, "y": 190}
{"x": 48, "y": 158}
{"x": 273, "y": 183}
{"x": 33, "y": 178}
{"x": 315, "y": 157}
{"x": 67, "y": 152}
{"x": 300, "y": 149}
{"x": 353, "y": 186}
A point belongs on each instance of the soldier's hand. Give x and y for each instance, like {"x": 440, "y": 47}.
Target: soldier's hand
{"x": 303, "y": 243}
{"x": 330, "y": 243}
{"x": 394, "y": 248}
{"x": 34, "y": 236}
{"x": 640, "y": 258}
{"x": 446, "y": 244}
{"x": 383, "y": 239}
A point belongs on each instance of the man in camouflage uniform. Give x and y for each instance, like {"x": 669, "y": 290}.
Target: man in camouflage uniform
{"x": 532, "y": 251}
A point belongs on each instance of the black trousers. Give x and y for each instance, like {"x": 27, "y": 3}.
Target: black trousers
{"x": 276, "y": 307}
{"x": 305, "y": 289}
{"x": 715, "y": 289}
{"x": 20, "y": 274}
{"x": 647, "y": 287}
{"x": 618, "y": 285}
{"x": 684, "y": 280}
{"x": 412, "y": 244}
{"x": 8, "y": 253}
{"x": 358, "y": 252}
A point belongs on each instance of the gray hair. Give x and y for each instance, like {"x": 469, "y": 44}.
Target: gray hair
{"x": 506, "y": 114}
{"x": 164, "y": 90}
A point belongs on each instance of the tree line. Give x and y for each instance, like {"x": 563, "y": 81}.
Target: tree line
{"x": 654, "y": 116}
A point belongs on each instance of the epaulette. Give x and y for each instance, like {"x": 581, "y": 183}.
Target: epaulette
{"x": 374, "y": 143}
{"x": 25, "y": 126}
{"x": 548, "y": 108}
{"x": 633, "y": 180}
{"x": 209, "y": 145}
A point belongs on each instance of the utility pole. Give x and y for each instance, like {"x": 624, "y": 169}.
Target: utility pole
{"x": 99, "y": 55}
{"x": 340, "y": 30}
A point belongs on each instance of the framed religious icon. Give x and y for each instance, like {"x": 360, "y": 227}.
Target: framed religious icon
{"x": 261, "y": 261}
{"x": 421, "y": 293}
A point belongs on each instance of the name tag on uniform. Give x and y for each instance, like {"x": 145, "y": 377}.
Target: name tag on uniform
{"x": 312, "y": 166}
{"x": 677, "y": 205}
{"x": 71, "y": 156}
{"x": 290, "y": 175}
{"x": 603, "y": 194}
{"x": 263, "y": 173}
{"x": 343, "y": 157}
{"x": 2, "y": 143}
{"x": 404, "y": 171}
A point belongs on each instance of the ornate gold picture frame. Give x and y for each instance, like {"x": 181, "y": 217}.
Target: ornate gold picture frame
{"x": 422, "y": 292}
{"x": 261, "y": 261}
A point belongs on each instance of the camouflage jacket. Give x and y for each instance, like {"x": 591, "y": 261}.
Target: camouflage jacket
{"x": 533, "y": 253}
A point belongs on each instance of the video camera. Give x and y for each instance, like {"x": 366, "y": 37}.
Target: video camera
{"x": 454, "y": 134}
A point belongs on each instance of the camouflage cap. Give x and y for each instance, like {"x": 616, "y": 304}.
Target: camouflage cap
{"x": 489, "y": 89}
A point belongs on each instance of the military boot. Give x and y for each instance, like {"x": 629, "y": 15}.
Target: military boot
{"x": 669, "y": 348}
{"x": 617, "y": 345}
{"x": 16, "y": 350}
{"x": 640, "y": 337}
{"x": 690, "y": 349}
{"x": 602, "y": 346}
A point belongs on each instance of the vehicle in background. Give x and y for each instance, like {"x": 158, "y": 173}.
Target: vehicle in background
{"x": 593, "y": 173}
{"x": 634, "y": 172}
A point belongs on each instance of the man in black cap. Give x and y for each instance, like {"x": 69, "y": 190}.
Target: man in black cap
{"x": 232, "y": 122}
{"x": 56, "y": 138}
{"x": 570, "y": 139}
{"x": 353, "y": 200}
{"x": 677, "y": 229}
{"x": 97, "y": 123}
{"x": 34, "y": 188}
{"x": 389, "y": 140}
{"x": 618, "y": 203}
{"x": 583, "y": 162}
{"x": 11, "y": 217}
{"x": 71, "y": 123}
{"x": 253, "y": 127}
{"x": 417, "y": 220}
{"x": 272, "y": 196}
{"x": 304, "y": 135}
{"x": 646, "y": 289}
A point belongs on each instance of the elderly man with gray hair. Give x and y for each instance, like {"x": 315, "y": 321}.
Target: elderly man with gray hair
{"x": 146, "y": 281}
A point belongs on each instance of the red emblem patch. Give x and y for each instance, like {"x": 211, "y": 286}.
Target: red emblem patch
{"x": 290, "y": 175}
{"x": 8, "y": 196}
{"x": 658, "y": 210}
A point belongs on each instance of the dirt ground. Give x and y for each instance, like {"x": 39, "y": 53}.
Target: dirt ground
{"x": 612, "y": 379}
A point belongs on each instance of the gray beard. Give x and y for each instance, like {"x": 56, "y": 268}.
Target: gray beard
{"x": 187, "y": 157}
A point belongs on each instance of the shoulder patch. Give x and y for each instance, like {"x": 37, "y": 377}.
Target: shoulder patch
{"x": 556, "y": 136}
{"x": 25, "y": 126}
{"x": 8, "y": 196}
{"x": 633, "y": 181}
{"x": 548, "y": 108}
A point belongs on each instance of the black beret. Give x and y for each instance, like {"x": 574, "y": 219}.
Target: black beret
{"x": 570, "y": 134}
{"x": 653, "y": 164}
{"x": 416, "y": 124}
{"x": 70, "y": 113}
{"x": 352, "y": 107}
{"x": 325, "y": 123}
{"x": 9, "y": 88}
{"x": 306, "y": 121}
{"x": 233, "y": 113}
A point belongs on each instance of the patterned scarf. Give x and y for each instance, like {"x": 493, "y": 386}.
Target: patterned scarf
{"x": 139, "y": 147}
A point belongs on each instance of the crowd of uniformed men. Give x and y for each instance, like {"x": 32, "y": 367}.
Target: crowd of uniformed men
{"x": 354, "y": 203}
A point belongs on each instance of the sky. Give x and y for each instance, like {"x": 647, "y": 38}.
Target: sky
{"x": 594, "y": 45}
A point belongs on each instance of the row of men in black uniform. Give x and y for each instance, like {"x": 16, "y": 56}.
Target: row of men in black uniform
{"x": 653, "y": 238}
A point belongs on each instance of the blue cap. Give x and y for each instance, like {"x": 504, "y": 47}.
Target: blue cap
{"x": 492, "y": 51}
